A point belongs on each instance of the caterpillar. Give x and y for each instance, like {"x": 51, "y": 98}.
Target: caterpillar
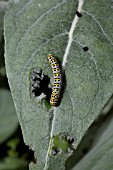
{"x": 57, "y": 80}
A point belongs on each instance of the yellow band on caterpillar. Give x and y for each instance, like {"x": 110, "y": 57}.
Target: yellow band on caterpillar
{"x": 57, "y": 80}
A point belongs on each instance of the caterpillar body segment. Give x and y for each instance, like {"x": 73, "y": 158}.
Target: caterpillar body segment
{"x": 57, "y": 80}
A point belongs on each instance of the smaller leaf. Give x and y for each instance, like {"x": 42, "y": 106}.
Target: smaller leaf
{"x": 8, "y": 117}
{"x": 2, "y": 71}
{"x": 101, "y": 155}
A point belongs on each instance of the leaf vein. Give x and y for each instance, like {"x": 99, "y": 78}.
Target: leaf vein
{"x": 26, "y": 33}
{"x": 104, "y": 33}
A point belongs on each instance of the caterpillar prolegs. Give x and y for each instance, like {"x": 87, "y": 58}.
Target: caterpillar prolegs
{"x": 57, "y": 80}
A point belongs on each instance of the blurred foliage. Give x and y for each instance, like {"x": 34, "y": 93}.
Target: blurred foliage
{"x": 12, "y": 163}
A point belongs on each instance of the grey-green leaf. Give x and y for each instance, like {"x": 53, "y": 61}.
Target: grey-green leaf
{"x": 8, "y": 117}
{"x": 83, "y": 46}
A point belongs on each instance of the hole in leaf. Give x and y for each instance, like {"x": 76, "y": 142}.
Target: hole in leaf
{"x": 62, "y": 142}
{"x": 32, "y": 153}
{"x": 78, "y": 14}
{"x": 85, "y": 48}
{"x": 39, "y": 84}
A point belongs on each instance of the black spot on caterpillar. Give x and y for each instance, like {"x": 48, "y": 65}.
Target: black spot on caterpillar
{"x": 57, "y": 80}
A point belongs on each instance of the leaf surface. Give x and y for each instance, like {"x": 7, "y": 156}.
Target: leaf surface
{"x": 83, "y": 46}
